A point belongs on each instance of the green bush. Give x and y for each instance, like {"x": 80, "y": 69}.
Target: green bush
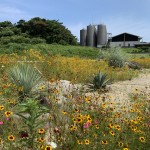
{"x": 115, "y": 57}
{"x": 37, "y": 41}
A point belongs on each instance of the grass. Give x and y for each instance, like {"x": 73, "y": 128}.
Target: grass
{"x": 51, "y": 50}
{"x": 75, "y": 69}
{"x": 72, "y": 119}
{"x": 80, "y": 122}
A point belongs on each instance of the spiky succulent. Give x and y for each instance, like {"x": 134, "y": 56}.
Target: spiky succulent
{"x": 100, "y": 81}
{"x": 24, "y": 76}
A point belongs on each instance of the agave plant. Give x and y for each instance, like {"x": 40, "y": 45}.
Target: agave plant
{"x": 25, "y": 77}
{"x": 99, "y": 81}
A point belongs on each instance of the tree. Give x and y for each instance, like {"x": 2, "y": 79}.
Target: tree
{"x": 5, "y": 24}
{"x": 52, "y": 31}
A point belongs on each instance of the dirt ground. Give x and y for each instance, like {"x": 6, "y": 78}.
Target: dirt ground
{"x": 119, "y": 92}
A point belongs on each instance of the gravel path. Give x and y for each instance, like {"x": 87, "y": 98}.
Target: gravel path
{"x": 119, "y": 92}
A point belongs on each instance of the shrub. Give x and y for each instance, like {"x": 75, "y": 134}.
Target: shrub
{"x": 115, "y": 57}
{"x": 37, "y": 40}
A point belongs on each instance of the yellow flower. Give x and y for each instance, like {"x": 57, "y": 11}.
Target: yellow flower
{"x": 86, "y": 141}
{"x": 74, "y": 119}
{"x": 64, "y": 112}
{"x": 1, "y": 107}
{"x": 125, "y": 148}
{"x": 89, "y": 120}
{"x": 118, "y": 127}
{"x": 76, "y": 110}
{"x": 112, "y": 133}
{"x": 142, "y": 139}
{"x": 41, "y": 131}
{"x": 104, "y": 142}
{"x": 87, "y": 100}
{"x": 8, "y": 113}
{"x": 40, "y": 140}
{"x": 104, "y": 105}
{"x": 42, "y": 87}
{"x": 79, "y": 142}
{"x": 97, "y": 126}
{"x": 79, "y": 120}
{"x": 1, "y": 141}
{"x": 48, "y": 148}
{"x": 110, "y": 125}
{"x": 73, "y": 128}
{"x": 11, "y": 138}
{"x": 120, "y": 144}
{"x": 59, "y": 139}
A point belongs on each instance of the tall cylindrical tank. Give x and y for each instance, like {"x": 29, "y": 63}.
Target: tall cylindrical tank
{"x": 101, "y": 35}
{"x": 83, "y": 35}
{"x": 91, "y": 35}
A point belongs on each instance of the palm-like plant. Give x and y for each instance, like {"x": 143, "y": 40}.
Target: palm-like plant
{"x": 24, "y": 76}
{"x": 99, "y": 81}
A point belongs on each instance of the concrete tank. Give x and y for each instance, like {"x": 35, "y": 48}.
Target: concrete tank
{"x": 101, "y": 35}
{"x": 91, "y": 35}
{"x": 83, "y": 35}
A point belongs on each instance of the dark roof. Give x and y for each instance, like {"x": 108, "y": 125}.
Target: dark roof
{"x": 128, "y": 34}
{"x": 125, "y": 37}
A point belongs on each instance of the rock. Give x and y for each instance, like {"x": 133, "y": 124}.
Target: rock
{"x": 133, "y": 65}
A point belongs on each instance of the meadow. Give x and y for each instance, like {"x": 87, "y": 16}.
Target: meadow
{"x": 37, "y": 112}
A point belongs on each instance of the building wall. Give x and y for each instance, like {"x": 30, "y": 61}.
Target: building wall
{"x": 121, "y": 44}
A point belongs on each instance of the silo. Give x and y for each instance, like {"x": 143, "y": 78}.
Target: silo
{"x": 101, "y": 35}
{"x": 83, "y": 34}
{"x": 91, "y": 35}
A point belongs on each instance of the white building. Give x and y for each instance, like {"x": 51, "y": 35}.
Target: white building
{"x": 124, "y": 40}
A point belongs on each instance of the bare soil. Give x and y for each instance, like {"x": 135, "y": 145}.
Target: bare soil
{"x": 119, "y": 92}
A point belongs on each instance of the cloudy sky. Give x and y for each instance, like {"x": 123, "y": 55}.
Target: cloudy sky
{"x": 132, "y": 16}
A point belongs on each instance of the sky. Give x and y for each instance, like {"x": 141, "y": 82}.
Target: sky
{"x": 131, "y": 16}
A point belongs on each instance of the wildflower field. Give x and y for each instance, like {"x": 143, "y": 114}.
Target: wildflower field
{"x": 37, "y": 112}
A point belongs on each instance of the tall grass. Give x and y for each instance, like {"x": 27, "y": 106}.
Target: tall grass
{"x": 73, "y": 69}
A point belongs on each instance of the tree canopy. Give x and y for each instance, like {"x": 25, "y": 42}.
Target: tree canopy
{"x": 50, "y": 31}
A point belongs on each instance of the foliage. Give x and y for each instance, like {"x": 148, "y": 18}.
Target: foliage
{"x": 52, "y": 31}
{"x": 24, "y": 77}
{"x": 74, "y": 69}
{"x": 115, "y": 58}
{"x": 50, "y": 49}
{"x": 30, "y": 111}
{"x": 6, "y": 32}
{"x": 100, "y": 81}
{"x": 144, "y": 62}
{"x": 79, "y": 122}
